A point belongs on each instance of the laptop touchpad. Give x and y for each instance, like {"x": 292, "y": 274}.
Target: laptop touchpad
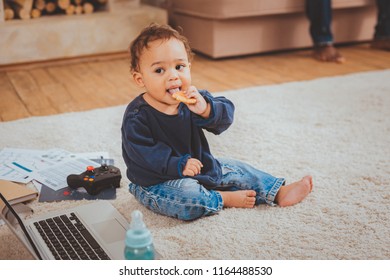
{"x": 110, "y": 231}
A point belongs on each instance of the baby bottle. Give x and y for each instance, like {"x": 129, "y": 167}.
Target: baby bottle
{"x": 139, "y": 242}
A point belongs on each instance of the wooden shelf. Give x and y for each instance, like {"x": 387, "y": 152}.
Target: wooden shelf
{"x": 58, "y": 36}
{"x": 30, "y": 9}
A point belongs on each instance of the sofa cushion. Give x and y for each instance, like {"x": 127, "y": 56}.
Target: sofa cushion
{"x": 223, "y": 9}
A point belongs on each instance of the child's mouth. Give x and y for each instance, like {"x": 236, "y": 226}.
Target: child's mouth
{"x": 173, "y": 90}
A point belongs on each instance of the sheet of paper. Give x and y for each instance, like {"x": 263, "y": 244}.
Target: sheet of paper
{"x": 29, "y": 161}
{"x": 48, "y": 194}
{"x": 49, "y": 167}
{"x": 92, "y": 155}
{"x": 35, "y": 184}
{"x": 12, "y": 172}
{"x": 15, "y": 154}
{"x": 55, "y": 176}
{"x": 55, "y": 155}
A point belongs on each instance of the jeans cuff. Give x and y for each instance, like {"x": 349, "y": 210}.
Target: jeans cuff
{"x": 324, "y": 44}
{"x": 220, "y": 202}
{"x": 270, "y": 198}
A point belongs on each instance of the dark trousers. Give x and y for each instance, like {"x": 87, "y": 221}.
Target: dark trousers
{"x": 319, "y": 13}
{"x": 382, "y": 28}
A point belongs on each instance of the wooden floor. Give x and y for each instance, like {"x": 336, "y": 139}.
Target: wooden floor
{"x": 58, "y": 87}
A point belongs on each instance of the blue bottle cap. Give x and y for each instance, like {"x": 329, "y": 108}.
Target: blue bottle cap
{"x": 138, "y": 235}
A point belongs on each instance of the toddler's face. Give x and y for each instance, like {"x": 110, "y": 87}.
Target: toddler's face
{"x": 164, "y": 69}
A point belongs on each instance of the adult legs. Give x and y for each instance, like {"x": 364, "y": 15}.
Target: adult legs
{"x": 382, "y": 28}
{"x": 319, "y": 13}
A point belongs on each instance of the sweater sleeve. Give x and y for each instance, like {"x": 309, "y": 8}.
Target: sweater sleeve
{"x": 152, "y": 157}
{"x": 221, "y": 114}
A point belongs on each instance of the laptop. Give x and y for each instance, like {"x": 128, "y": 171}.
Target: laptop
{"x": 92, "y": 231}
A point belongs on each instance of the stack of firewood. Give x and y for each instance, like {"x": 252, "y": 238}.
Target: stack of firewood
{"x": 26, "y": 9}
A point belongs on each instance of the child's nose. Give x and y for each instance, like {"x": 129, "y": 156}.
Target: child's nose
{"x": 173, "y": 75}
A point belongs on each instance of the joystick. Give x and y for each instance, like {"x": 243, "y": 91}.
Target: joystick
{"x": 94, "y": 180}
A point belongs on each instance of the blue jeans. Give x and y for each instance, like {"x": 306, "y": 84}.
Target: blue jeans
{"x": 187, "y": 199}
{"x": 319, "y": 13}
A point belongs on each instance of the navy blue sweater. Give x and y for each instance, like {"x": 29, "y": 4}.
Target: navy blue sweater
{"x": 156, "y": 146}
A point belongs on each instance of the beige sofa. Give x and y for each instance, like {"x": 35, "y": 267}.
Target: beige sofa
{"x": 222, "y": 28}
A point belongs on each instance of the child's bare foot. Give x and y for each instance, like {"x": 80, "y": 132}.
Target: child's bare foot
{"x": 292, "y": 194}
{"x": 328, "y": 54}
{"x": 239, "y": 199}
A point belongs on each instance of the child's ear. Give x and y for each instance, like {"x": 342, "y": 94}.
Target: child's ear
{"x": 138, "y": 79}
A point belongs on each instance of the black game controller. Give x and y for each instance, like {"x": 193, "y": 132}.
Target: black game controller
{"x": 94, "y": 180}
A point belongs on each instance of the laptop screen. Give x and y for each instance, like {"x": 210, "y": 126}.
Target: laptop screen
{"x": 12, "y": 219}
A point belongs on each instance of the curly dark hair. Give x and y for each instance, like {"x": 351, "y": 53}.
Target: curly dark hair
{"x": 152, "y": 33}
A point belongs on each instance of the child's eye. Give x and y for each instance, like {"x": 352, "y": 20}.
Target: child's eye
{"x": 180, "y": 67}
{"x": 159, "y": 70}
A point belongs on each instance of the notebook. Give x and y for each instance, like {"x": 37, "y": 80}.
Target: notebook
{"x": 16, "y": 193}
{"x": 92, "y": 231}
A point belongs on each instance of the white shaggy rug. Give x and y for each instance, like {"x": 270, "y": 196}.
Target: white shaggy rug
{"x": 337, "y": 129}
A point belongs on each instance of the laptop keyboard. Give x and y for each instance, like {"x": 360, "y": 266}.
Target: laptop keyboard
{"x": 68, "y": 239}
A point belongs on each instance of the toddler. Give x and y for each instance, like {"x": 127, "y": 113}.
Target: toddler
{"x": 169, "y": 163}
